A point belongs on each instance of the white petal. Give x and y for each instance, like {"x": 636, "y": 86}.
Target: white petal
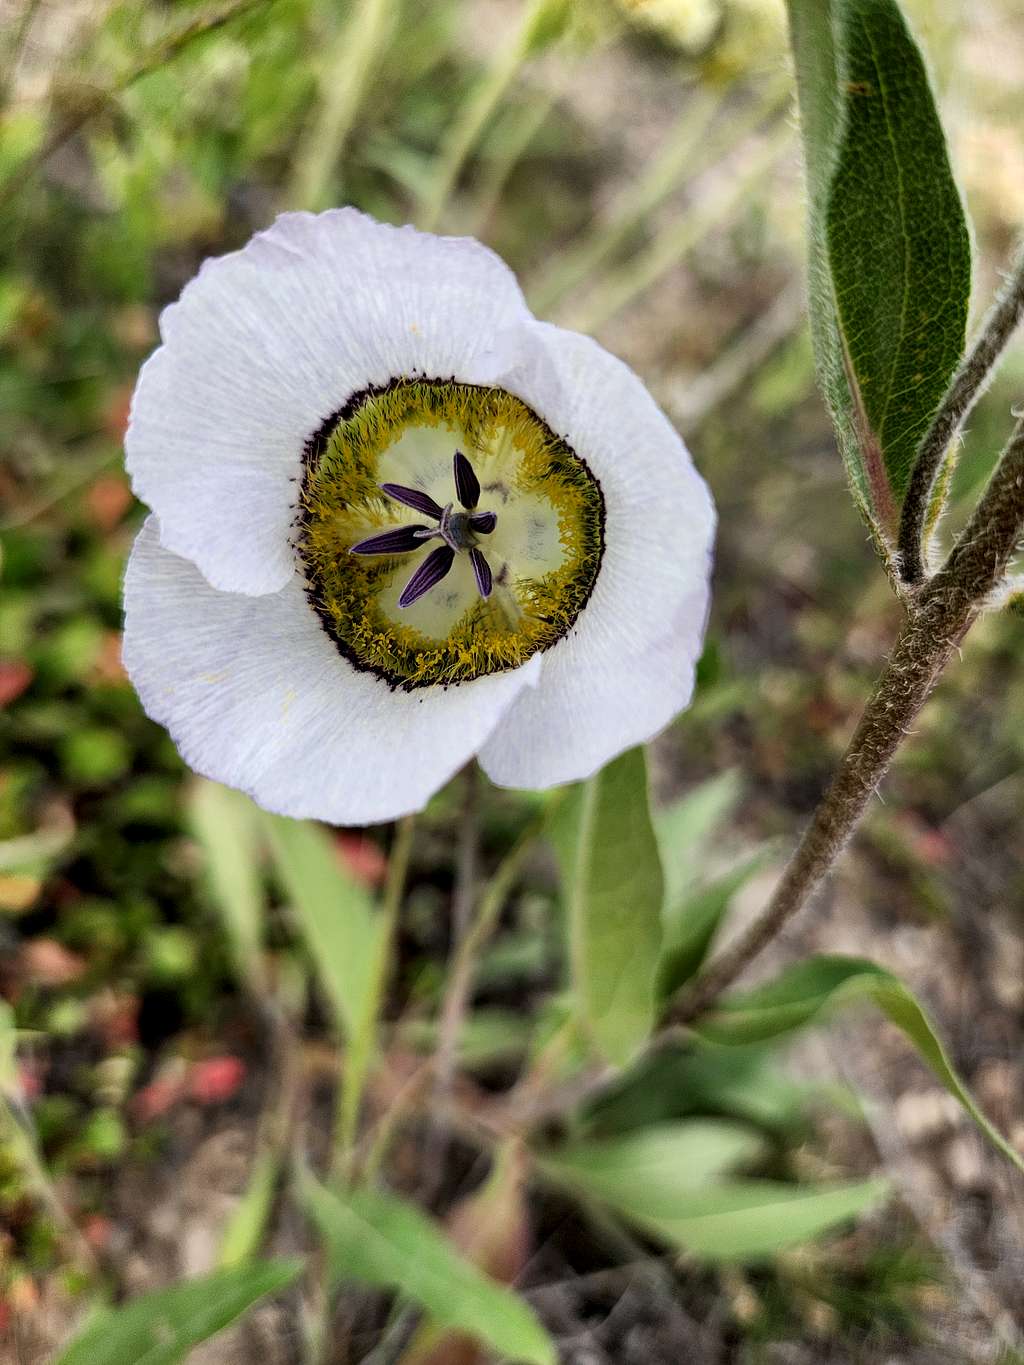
{"x": 627, "y": 666}
{"x": 255, "y": 695}
{"x": 266, "y": 343}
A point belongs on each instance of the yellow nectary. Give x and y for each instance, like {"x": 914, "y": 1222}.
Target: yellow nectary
{"x": 544, "y": 552}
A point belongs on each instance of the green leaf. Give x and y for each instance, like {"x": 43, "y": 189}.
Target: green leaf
{"x": 614, "y": 888}
{"x": 890, "y": 267}
{"x": 684, "y": 829}
{"x": 9, "y": 1083}
{"x": 897, "y": 236}
{"x": 647, "y": 1170}
{"x": 690, "y": 928}
{"x": 663, "y": 1179}
{"x": 803, "y": 992}
{"x": 696, "y": 1078}
{"x": 336, "y": 917}
{"x": 378, "y": 1239}
{"x": 751, "y": 1219}
{"x": 226, "y": 824}
{"x": 161, "y": 1328}
{"x": 248, "y": 1224}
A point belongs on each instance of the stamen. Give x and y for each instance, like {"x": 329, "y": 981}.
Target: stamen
{"x": 482, "y": 571}
{"x": 413, "y": 497}
{"x": 397, "y": 542}
{"x": 483, "y": 523}
{"x": 467, "y": 485}
{"x": 428, "y": 575}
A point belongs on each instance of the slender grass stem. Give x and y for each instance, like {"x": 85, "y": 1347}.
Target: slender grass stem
{"x": 672, "y": 245}
{"x": 474, "y": 114}
{"x": 690, "y": 401}
{"x": 687, "y": 151}
{"x": 353, "y": 1079}
{"x": 526, "y": 121}
{"x": 969, "y": 383}
{"x": 456, "y": 994}
{"x": 937, "y": 622}
{"x": 345, "y": 75}
{"x": 15, "y": 46}
{"x": 17, "y": 1135}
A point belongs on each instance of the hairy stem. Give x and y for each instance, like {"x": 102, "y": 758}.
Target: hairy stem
{"x": 969, "y": 383}
{"x": 938, "y": 621}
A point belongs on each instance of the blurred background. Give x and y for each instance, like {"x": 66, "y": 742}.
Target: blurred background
{"x": 637, "y": 165}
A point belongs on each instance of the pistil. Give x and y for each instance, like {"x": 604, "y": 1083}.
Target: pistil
{"x": 457, "y": 529}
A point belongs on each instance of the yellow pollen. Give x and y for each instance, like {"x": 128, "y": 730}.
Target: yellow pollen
{"x": 544, "y": 552}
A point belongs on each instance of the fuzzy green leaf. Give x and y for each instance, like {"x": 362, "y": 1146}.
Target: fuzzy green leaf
{"x": 890, "y": 250}
{"x": 379, "y": 1239}
{"x": 807, "y": 990}
{"x": 162, "y": 1328}
{"x": 614, "y": 888}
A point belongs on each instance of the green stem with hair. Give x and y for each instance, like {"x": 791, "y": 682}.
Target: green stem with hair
{"x": 938, "y": 619}
{"x": 969, "y": 383}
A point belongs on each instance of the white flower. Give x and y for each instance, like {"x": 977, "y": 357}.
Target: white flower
{"x": 398, "y": 522}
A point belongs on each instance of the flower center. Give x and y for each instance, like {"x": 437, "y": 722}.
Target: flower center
{"x": 445, "y": 531}
{"x": 458, "y": 530}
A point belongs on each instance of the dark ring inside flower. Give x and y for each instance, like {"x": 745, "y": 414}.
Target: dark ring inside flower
{"x": 445, "y": 531}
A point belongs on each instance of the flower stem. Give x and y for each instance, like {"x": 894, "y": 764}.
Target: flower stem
{"x": 467, "y": 956}
{"x": 936, "y": 623}
{"x": 969, "y": 383}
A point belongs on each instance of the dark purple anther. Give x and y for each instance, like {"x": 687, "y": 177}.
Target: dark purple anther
{"x": 456, "y": 529}
{"x": 428, "y": 575}
{"x": 467, "y": 485}
{"x": 482, "y": 571}
{"x": 412, "y": 497}
{"x": 397, "y": 542}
